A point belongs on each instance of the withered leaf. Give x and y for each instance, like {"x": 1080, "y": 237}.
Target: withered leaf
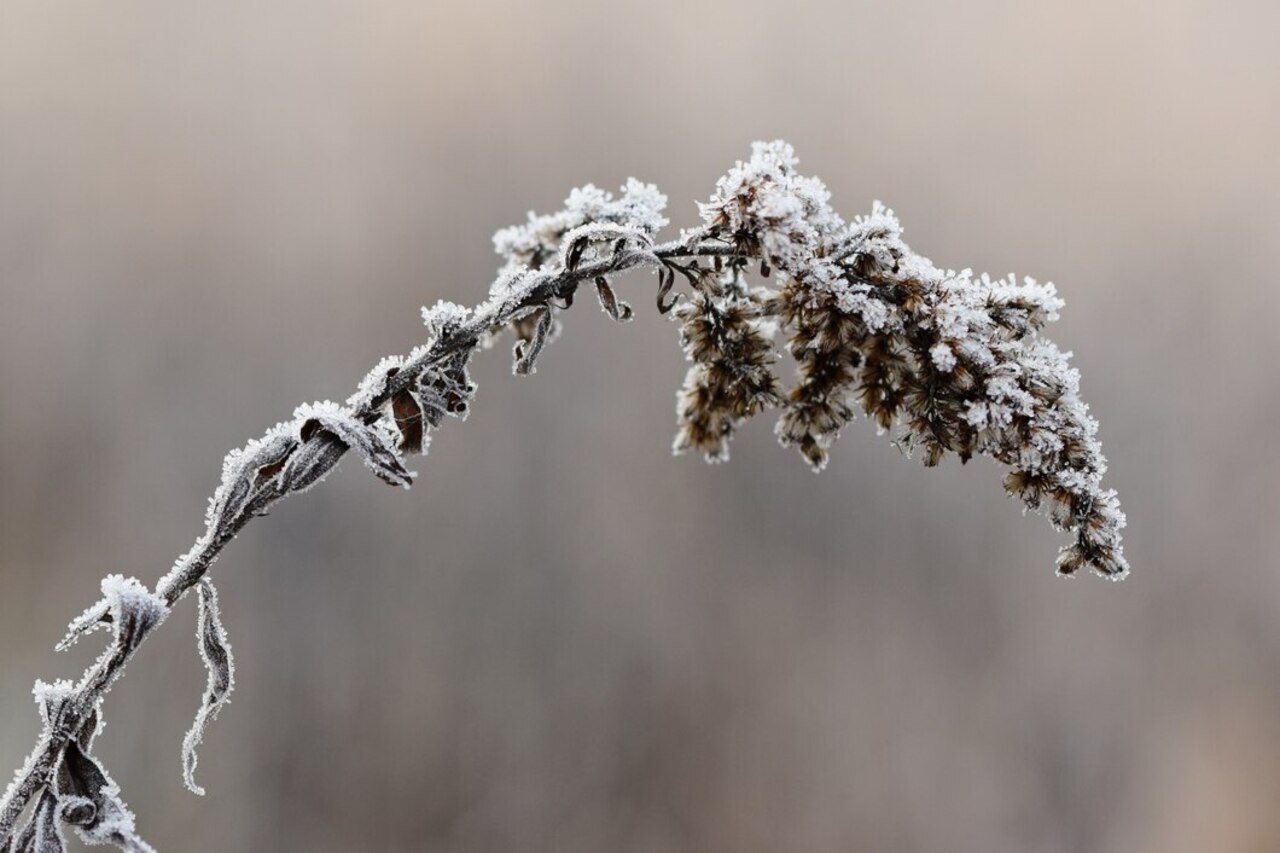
{"x": 609, "y": 301}
{"x": 527, "y": 351}
{"x": 215, "y": 651}
{"x": 109, "y": 821}
{"x": 409, "y": 420}
{"x": 375, "y": 447}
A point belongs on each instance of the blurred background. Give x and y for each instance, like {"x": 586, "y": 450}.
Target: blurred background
{"x": 563, "y": 638}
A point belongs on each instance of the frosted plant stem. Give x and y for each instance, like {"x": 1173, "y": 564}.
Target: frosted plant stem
{"x": 537, "y": 290}
{"x": 952, "y": 362}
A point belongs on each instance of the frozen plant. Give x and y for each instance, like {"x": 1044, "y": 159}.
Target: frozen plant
{"x": 949, "y": 362}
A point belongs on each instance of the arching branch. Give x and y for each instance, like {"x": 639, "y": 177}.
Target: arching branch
{"x": 954, "y": 363}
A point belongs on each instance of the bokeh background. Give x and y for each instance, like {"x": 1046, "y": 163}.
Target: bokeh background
{"x": 563, "y": 638}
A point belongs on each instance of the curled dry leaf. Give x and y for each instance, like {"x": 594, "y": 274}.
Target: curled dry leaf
{"x": 609, "y": 302}
{"x": 85, "y": 783}
{"x": 526, "y": 351}
{"x": 371, "y": 441}
{"x": 215, "y": 651}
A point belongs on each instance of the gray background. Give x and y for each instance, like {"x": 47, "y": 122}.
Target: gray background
{"x": 563, "y": 638}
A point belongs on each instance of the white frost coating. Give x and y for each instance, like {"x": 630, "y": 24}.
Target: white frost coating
{"x": 86, "y": 623}
{"x": 133, "y": 610}
{"x": 109, "y": 821}
{"x": 238, "y": 470}
{"x": 49, "y": 697}
{"x": 91, "y": 803}
{"x": 375, "y": 443}
{"x": 596, "y": 240}
{"x": 1021, "y": 394}
{"x": 43, "y": 834}
{"x": 943, "y": 358}
{"x": 537, "y": 241}
{"x": 952, "y": 360}
{"x": 444, "y": 315}
{"x": 788, "y": 215}
{"x": 375, "y": 381}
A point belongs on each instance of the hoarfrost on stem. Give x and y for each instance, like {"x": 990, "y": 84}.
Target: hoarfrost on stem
{"x": 950, "y": 362}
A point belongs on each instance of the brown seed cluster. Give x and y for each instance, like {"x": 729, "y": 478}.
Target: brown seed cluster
{"x": 726, "y": 336}
{"x": 947, "y": 361}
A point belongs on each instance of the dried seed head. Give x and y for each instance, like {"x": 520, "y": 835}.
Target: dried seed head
{"x": 731, "y": 379}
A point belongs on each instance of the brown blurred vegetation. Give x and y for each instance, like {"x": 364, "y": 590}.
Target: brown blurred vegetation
{"x": 563, "y": 638}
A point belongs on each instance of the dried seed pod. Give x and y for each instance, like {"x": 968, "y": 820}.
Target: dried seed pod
{"x": 731, "y": 378}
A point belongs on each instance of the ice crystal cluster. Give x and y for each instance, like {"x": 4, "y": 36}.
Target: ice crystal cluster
{"x": 949, "y": 362}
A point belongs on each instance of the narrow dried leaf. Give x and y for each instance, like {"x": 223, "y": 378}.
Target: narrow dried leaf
{"x": 609, "y": 301}
{"x": 215, "y": 651}
{"x": 666, "y": 280}
{"x": 244, "y": 471}
{"x": 92, "y": 619}
{"x": 311, "y": 462}
{"x": 230, "y": 501}
{"x": 574, "y": 254}
{"x": 527, "y": 351}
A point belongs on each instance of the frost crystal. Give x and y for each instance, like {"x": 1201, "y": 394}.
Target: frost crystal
{"x": 766, "y": 208}
{"x": 443, "y": 316}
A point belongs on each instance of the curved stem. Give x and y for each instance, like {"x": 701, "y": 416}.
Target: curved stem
{"x": 535, "y": 290}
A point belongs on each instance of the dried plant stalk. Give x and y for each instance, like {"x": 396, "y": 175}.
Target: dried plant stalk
{"x": 951, "y": 361}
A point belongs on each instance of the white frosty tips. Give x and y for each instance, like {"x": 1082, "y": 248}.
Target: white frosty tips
{"x": 950, "y": 362}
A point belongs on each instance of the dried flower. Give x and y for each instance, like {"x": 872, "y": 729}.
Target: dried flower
{"x": 951, "y": 362}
